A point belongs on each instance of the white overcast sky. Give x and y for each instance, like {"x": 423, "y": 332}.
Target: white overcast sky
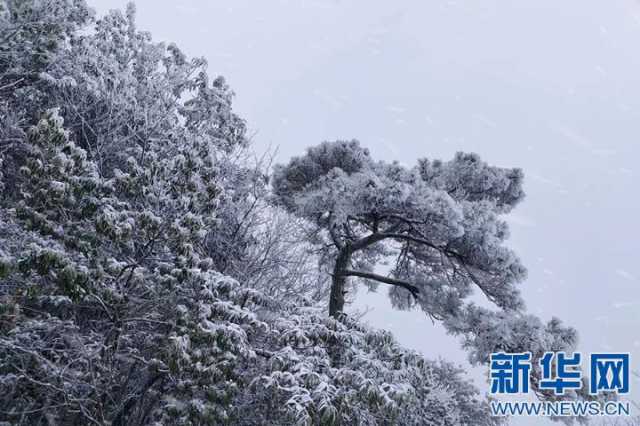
{"x": 550, "y": 86}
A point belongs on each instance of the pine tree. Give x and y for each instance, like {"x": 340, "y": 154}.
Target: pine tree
{"x": 442, "y": 227}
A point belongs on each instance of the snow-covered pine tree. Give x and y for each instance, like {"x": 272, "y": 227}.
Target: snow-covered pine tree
{"x": 442, "y": 226}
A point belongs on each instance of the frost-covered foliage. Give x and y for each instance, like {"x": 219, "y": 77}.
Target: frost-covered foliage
{"x": 280, "y": 261}
{"x": 117, "y": 315}
{"x": 326, "y": 371}
{"x": 443, "y": 219}
{"x": 126, "y": 203}
{"x": 120, "y": 93}
{"x": 442, "y": 225}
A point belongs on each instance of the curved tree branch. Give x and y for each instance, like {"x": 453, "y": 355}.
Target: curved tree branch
{"x": 387, "y": 280}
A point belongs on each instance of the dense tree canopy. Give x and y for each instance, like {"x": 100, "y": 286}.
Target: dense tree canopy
{"x": 148, "y": 277}
{"x": 142, "y": 280}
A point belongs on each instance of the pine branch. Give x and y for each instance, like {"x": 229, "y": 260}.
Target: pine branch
{"x": 386, "y": 280}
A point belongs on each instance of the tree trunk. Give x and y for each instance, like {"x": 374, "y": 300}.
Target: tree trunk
{"x": 339, "y": 280}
